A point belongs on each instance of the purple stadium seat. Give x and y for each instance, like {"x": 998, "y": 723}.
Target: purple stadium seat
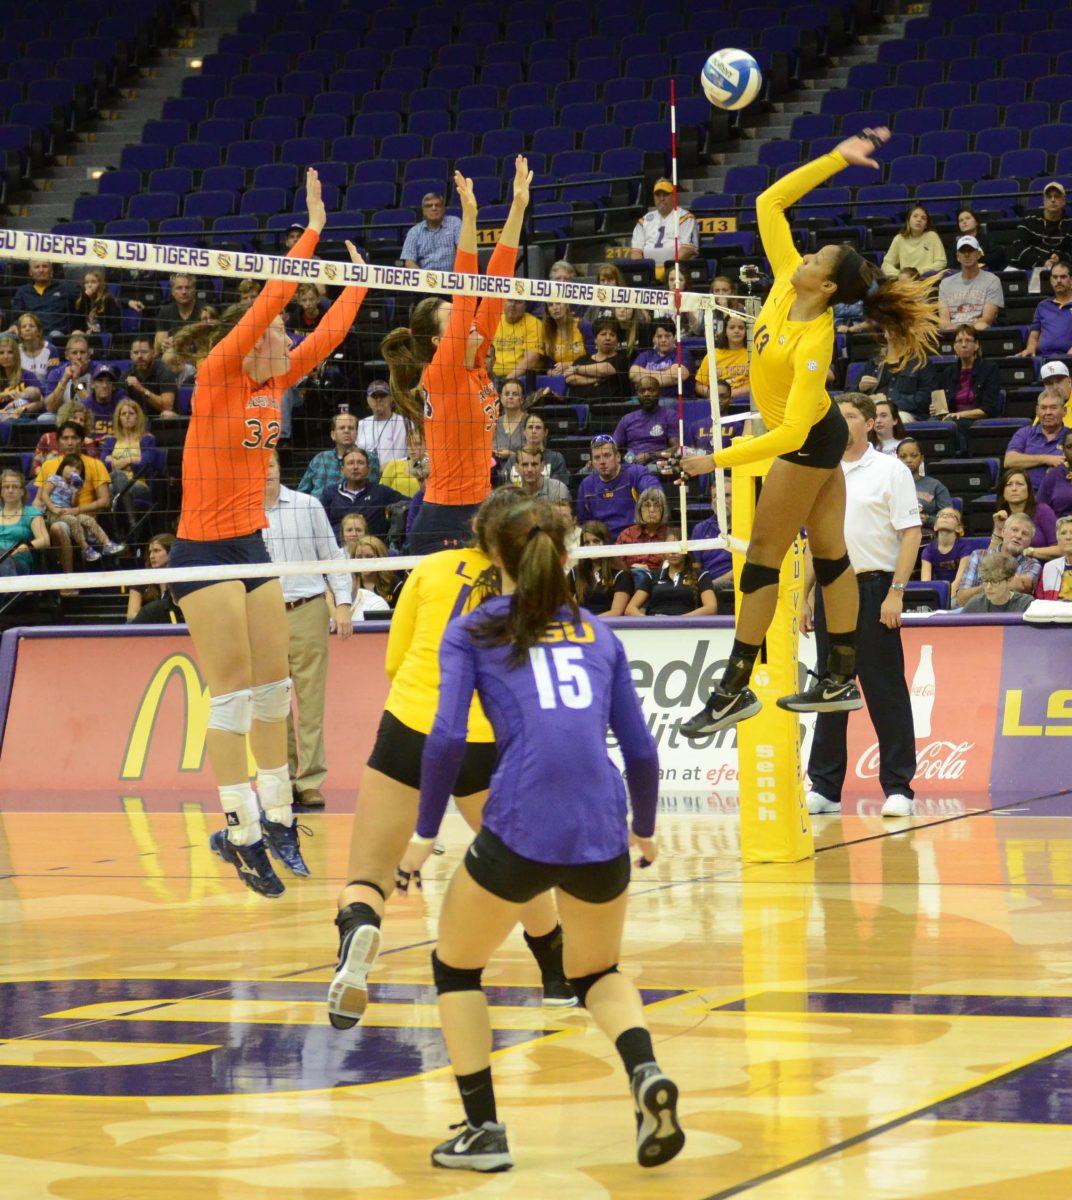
{"x": 600, "y": 70}
{"x": 353, "y": 82}
{"x": 265, "y": 201}
{"x": 269, "y": 62}
{"x": 143, "y": 158}
{"x": 914, "y": 168}
{"x": 196, "y": 156}
{"x": 896, "y": 52}
{"x": 1000, "y": 91}
{"x": 376, "y": 170}
{"x": 389, "y": 100}
{"x": 615, "y": 91}
{"x": 321, "y": 61}
{"x": 522, "y": 94}
{"x": 453, "y": 144}
{"x": 952, "y": 46}
{"x": 335, "y": 174}
{"x": 914, "y": 122}
{"x": 274, "y": 129}
{"x": 388, "y": 226}
{"x": 171, "y": 179}
{"x": 712, "y": 204}
{"x": 1023, "y": 163}
{"x": 1028, "y": 115}
{"x": 293, "y": 107}
{"x": 254, "y": 152}
{"x": 237, "y": 108}
{"x": 428, "y": 124}
{"x": 774, "y": 154}
{"x": 946, "y": 95}
{"x": 153, "y": 206}
{"x": 132, "y": 230}
{"x": 998, "y": 141}
{"x": 256, "y": 85}
{"x": 868, "y": 75}
{"x": 370, "y": 195}
{"x": 98, "y": 208}
{"x": 473, "y": 165}
{"x": 995, "y": 196}
{"x": 479, "y": 120}
{"x": 325, "y": 127}
{"x": 1050, "y": 89}
{"x": 183, "y": 231}
{"x": 460, "y": 54}
{"x": 583, "y": 116}
{"x": 227, "y": 65}
{"x": 496, "y": 53}
{"x": 967, "y": 168}
{"x": 427, "y": 168}
{"x": 1063, "y": 163}
{"x": 601, "y": 138}
{"x": 943, "y": 143}
{"x": 812, "y": 125}
{"x": 531, "y": 117}
{"x": 973, "y": 117}
{"x": 356, "y": 148}
{"x": 232, "y": 232}
{"x": 403, "y": 79}
{"x": 414, "y": 191}
{"x": 164, "y": 133}
{"x": 208, "y": 205}
{"x": 841, "y": 100}
{"x": 747, "y": 179}
{"x": 920, "y": 73}
{"x": 119, "y": 183}
{"x": 578, "y": 91}
{"x": 1050, "y": 138}
{"x": 285, "y": 175}
{"x": 999, "y": 45}
{"x": 178, "y": 108}
{"x": 553, "y": 140}
{"x": 503, "y": 143}
{"x": 1027, "y": 66}
{"x": 571, "y": 162}
{"x": 451, "y": 77}
{"x": 623, "y": 161}
{"x": 379, "y": 125}
{"x": 478, "y": 95}
{"x": 424, "y": 98}
{"x": 221, "y": 132}
{"x": 653, "y": 136}
{"x": 882, "y": 200}
{"x": 402, "y": 146}
{"x": 829, "y": 203}
{"x": 637, "y": 112}
{"x": 207, "y": 87}
{"x": 971, "y": 70}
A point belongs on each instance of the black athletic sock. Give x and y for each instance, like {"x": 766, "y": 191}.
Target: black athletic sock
{"x": 841, "y": 658}
{"x": 478, "y": 1097}
{"x": 356, "y": 914}
{"x": 547, "y": 951}
{"x": 634, "y": 1045}
{"x": 738, "y": 670}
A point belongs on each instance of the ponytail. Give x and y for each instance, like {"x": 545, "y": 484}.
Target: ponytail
{"x": 904, "y": 309}
{"x": 531, "y": 545}
{"x": 229, "y": 318}
{"x": 407, "y": 352}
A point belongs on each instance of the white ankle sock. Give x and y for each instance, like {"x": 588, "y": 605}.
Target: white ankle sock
{"x": 243, "y": 813}
{"x": 273, "y": 787}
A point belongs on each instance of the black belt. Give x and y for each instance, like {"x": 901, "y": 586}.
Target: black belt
{"x": 874, "y": 574}
{"x": 291, "y": 605}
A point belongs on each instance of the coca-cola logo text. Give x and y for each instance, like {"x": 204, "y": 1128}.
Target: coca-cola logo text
{"x": 935, "y": 760}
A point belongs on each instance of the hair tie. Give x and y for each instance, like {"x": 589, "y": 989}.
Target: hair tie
{"x": 533, "y": 532}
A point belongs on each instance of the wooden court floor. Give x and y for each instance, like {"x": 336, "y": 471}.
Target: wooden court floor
{"x": 891, "y": 1020}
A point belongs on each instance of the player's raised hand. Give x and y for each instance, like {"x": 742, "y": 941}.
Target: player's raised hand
{"x": 355, "y": 254}
{"x": 466, "y": 196}
{"x": 522, "y": 180}
{"x": 857, "y": 151}
{"x": 314, "y": 201}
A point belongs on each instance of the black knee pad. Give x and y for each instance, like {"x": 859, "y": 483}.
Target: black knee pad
{"x": 754, "y": 576}
{"x": 584, "y": 983}
{"x": 454, "y": 979}
{"x": 829, "y": 569}
{"x": 367, "y": 883}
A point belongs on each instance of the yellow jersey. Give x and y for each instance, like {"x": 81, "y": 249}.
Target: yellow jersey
{"x": 440, "y": 588}
{"x": 790, "y": 359}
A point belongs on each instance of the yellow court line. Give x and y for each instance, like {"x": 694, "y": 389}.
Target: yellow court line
{"x": 813, "y": 1014}
{"x": 69, "y": 1054}
{"x": 947, "y": 1123}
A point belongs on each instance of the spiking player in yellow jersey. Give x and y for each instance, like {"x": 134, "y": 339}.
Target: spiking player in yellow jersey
{"x": 445, "y": 585}
{"x": 792, "y": 345}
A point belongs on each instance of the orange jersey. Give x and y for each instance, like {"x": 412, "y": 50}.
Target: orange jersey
{"x": 235, "y": 422}
{"x": 461, "y": 404}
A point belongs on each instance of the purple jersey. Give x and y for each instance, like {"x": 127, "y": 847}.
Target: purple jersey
{"x": 556, "y": 797}
{"x": 640, "y": 432}
{"x": 1056, "y": 491}
{"x": 613, "y": 501}
{"x": 715, "y": 562}
{"x": 944, "y": 564}
{"x": 653, "y": 360}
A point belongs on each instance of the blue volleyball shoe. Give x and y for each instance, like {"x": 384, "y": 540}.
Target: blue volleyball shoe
{"x": 251, "y": 863}
{"x": 284, "y": 845}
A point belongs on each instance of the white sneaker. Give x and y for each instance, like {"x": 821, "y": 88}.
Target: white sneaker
{"x": 819, "y": 804}
{"x": 898, "y": 806}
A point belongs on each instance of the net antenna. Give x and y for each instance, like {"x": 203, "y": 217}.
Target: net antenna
{"x": 682, "y": 483}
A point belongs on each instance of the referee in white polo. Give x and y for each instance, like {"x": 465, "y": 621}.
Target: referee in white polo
{"x": 299, "y": 531}
{"x": 882, "y": 533}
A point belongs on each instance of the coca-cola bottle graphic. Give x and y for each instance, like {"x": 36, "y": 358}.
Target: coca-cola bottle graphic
{"x": 923, "y": 693}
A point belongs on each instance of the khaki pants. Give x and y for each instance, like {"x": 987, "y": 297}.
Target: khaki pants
{"x": 308, "y": 656}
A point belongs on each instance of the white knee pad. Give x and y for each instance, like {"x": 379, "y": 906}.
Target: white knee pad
{"x": 271, "y": 701}
{"x": 232, "y": 712}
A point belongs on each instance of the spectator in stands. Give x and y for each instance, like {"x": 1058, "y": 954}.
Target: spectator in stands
{"x": 59, "y": 497}
{"x": 968, "y": 223}
{"x": 352, "y": 528}
{"x": 717, "y": 563}
{"x": 661, "y": 361}
{"x": 48, "y": 444}
{"x": 509, "y": 434}
{"x": 971, "y": 384}
{"x": 909, "y": 388}
{"x": 635, "y": 329}
{"x": 681, "y": 589}
{"x": 691, "y": 321}
{"x": 940, "y": 559}
{"x": 531, "y": 480}
{"x": 652, "y": 524}
{"x": 1056, "y": 381}
{"x": 149, "y": 382}
{"x": 1056, "y": 489}
{"x": 431, "y": 243}
{"x": 1036, "y": 448}
{"x": 38, "y": 355}
{"x": 996, "y": 572}
{"x": 123, "y": 453}
{"x": 916, "y": 245}
{"x": 71, "y": 382}
{"x": 603, "y": 375}
{"x": 1016, "y": 495}
{"x": 96, "y": 310}
{"x": 304, "y": 314}
{"x": 149, "y": 603}
{"x": 22, "y": 527}
{"x": 50, "y": 299}
{"x": 554, "y": 465}
{"x": 325, "y": 469}
{"x": 646, "y": 434}
{"x": 608, "y": 275}
{"x": 190, "y": 345}
{"x": 1051, "y": 328}
{"x": 889, "y": 428}
{"x": 181, "y": 310}
{"x": 103, "y": 398}
{"x": 517, "y": 347}
{"x": 248, "y": 291}
{"x": 562, "y": 271}
{"x": 654, "y": 234}
{"x": 356, "y": 492}
{"x": 610, "y": 492}
{"x": 383, "y": 435}
{"x": 1014, "y": 539}
{"x": 292, "y": 236}
{"x": 732, "y": 359}
{"x": 1056, "y": 580}
{"x": 972, "y": 296}
{"x": 374, "y": 591}
{"x": 1043, "y": 238}
{"x": 602, "y": 585}
{"x": 932, "y": 494}
{"x": 565, "y": 339}
{"x": 571, "y": 538}
{"x": 20, "y": 395}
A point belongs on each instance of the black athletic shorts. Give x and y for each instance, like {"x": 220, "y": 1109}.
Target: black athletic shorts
{"x": 825, "y": 443}
{"x": 441, "y": 527}
{"x": 398, "y": 750}
{"x": 231, "y": 552}
{"x": 511, "y": 877}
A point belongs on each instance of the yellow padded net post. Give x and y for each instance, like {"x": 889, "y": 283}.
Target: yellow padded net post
{"x": 774, "y": 814}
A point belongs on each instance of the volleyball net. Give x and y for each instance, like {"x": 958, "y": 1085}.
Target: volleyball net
{"x": 578, "y": 382}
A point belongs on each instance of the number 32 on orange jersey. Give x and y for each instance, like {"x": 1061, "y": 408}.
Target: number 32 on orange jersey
{"x": 263, "y": 435}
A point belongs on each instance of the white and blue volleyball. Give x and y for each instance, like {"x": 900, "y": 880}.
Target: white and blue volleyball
{"x": 731, "y": 79}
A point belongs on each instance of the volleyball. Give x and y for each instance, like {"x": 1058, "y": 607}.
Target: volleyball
{"x": 731, "y": 79}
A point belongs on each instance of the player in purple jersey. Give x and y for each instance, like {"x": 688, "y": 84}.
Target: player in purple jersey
{"x": 552, "y": 678}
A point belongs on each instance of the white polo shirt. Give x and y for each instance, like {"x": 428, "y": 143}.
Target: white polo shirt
{"x": 881, "y": 501}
